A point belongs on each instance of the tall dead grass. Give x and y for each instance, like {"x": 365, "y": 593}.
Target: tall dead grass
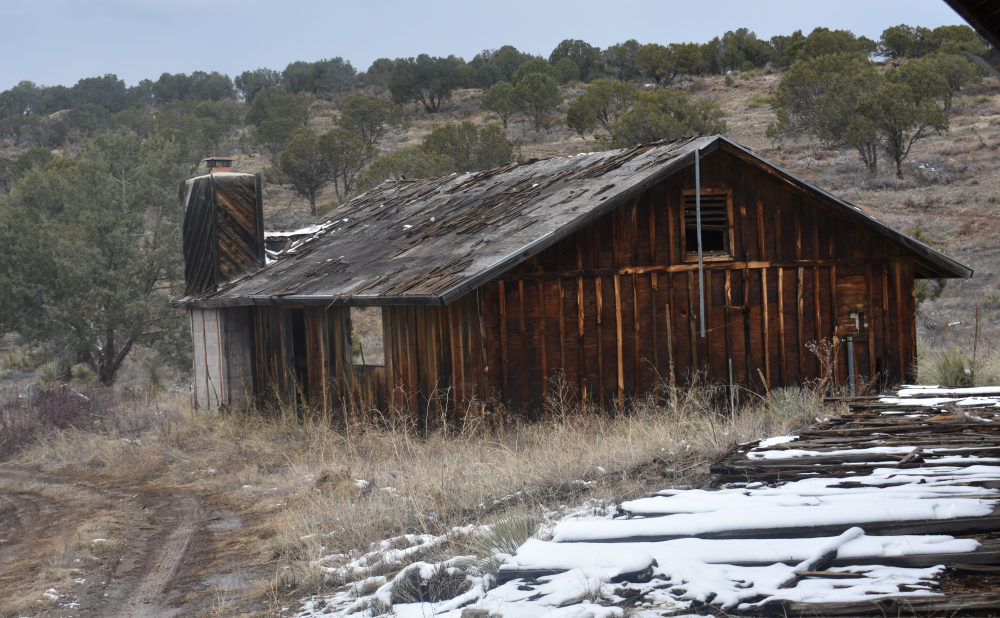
{"x": 314, "y": 490}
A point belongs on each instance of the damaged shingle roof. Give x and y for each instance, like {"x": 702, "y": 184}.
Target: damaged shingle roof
{"x": 431, "y": 241}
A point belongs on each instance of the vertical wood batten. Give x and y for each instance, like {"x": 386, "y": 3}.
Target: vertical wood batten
{"x": 765, "y": 331}
{"x": 898, "y": 276}
{"x": 800, "y": 320}
{"x": 618, "y": 331}
{"x": 834, "y": 321}
{"x": 781, "y": 327}
{"x": 819, "y": 317}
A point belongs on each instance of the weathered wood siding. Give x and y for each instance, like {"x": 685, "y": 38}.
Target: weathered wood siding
{"x": 610, "y": 309}
{"x": 222, "y": 231}
{"x": 612, "y": 305}
{"x": 303, "y": 359}
{"x": 436, "y": 359}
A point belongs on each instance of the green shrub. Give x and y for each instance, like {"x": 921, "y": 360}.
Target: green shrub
{"x": 757, "y": 99}
{"x": 49, "y": 373}
{"x": 955, "y": 368}
{"x": 17, "y": 360}
{"x": 82, "y": 373}
{"x": 729, "y": 81}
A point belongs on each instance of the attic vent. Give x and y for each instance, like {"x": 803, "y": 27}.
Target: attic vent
{"x": 716, "y": 225}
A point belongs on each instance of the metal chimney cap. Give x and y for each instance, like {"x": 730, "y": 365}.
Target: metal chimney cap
{"x": 219, "y": 164}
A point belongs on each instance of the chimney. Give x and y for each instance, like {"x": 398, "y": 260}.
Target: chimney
{"x": 222, "y": 234}
{"x": 218, "y": 164}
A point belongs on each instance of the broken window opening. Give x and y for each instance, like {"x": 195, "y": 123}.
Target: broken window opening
{"x": 716, "y": 225}
{"x": 367, "y": 339}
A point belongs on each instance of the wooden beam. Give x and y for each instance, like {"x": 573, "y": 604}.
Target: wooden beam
{"x": 483, "y": 389}
{"x": 765, "y": 327}
{"x": 504, "y": 392}
{"x": 652, "y": 230}
{"x": 798, "y": 233}
{"x": 691, "y": 322}
{"x": 635, "y": 342}
{"x": 819, "y": 316}
{"x": 544, "y": 345}
{"x": 801, "y": 314}
{"x": 580, "y": 350}
{"x": 762, "y": 246}
{"x": 727, "y": 312}
{"x": 600, "y": 340}
{"x": 618, "y": 332}
{"x": 870, "y": 318}
{"x": 653, "y": 297}
{"x": 458, "y": 334}
{"x": 644, "y": 270}
{"x": 897, "y": 267}
{"x": 886, "y": 347}
{"x": 708, "y": 322}
{"x": 833, "y": 319}
{"x": 781, "y": 326}
{"x": 524, "y": 345}
{"x": 670, "y": 227}
{"x": 562, "y": 329}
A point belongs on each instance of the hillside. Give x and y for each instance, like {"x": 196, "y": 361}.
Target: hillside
{"x": 950, "y": 189}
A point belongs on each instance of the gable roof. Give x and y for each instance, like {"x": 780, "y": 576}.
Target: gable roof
{"x": 431, "y": 241}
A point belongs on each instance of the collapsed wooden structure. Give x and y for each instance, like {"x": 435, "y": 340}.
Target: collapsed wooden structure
{"x": 927, "y": 462}
{"x": 581, "y": 269}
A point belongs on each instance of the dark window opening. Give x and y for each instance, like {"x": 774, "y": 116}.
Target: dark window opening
{"x": 367, "y": 342}
{"x": 715, "y": 226}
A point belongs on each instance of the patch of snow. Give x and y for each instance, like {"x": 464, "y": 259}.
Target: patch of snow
{"x": 776, "y": 440}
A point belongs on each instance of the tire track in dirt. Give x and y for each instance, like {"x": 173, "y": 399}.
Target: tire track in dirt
{"x": 159, "y": 544}
{"x": 148, "y": 600}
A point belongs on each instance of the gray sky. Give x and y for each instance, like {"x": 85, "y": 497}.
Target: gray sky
{"x": 61, "y": 41}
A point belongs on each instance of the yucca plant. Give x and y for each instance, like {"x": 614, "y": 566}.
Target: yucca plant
{"x": 156, "y": 379}
{"x": 948, "y": 367}
{"x": 49, "y": 373}
{"x": 503, "y": 534}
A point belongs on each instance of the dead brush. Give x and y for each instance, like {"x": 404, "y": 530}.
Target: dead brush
{"x": 325, "y": 487}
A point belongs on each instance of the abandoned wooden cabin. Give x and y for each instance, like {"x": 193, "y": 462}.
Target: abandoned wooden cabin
{"x": 584, "y": 270}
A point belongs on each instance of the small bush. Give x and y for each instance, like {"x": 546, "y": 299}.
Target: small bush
{"x": 955, "y": 368}
{"x": 504, "y": 534}
{"x": 757, "y": 100}
{"x": 82, "y": 373}
{"x": 17, "y": 360}
{"x": 49, "y": 373}
{"x": 730, "y": 81}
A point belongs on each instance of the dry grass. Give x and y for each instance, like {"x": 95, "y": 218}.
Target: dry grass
{"x": 313, "y": 491}
{"x": 56, "y": 544}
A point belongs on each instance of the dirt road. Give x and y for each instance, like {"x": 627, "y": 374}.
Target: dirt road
{"x": 160, "y": 559}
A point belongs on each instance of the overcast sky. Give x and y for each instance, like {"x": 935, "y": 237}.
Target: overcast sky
{"x": 61, "y": 41}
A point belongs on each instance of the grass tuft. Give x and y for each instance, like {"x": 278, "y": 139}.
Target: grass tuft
{"x": 503, "y": 534}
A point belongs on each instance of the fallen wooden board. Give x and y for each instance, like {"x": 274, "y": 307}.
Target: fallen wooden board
{"x": 886, "y": 606}
{"x": 955, "y": 526}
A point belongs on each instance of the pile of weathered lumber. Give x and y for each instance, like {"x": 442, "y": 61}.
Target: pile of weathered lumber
{"x": 891, "y": 507}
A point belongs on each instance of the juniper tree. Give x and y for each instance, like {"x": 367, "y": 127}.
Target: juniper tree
{"x": 92, "y": 251}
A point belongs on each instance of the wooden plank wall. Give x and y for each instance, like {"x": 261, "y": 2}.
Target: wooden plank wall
{"x": 608, "y": 311}
{"x": 610, "y": 307}
{"x": 332, "y": 382}
{"x": 436, "y": 359}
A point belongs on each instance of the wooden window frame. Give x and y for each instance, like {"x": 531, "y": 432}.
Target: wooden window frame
{"x": 712, "y": 256}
